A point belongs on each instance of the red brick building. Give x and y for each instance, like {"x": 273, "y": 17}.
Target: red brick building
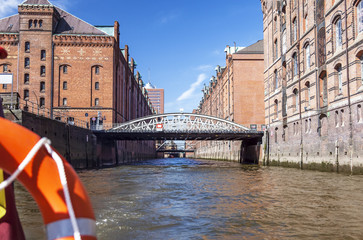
{"x": 66, "y": 65}
{"x": 313, "y": 82}
{"x": 235, "y": 94}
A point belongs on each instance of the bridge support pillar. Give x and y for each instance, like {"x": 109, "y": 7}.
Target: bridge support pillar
{"x": 250, "y": 151}
{"x": 106, "y": 153}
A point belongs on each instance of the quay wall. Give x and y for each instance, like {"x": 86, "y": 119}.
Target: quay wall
{"x": 219, "y": 150}
{"x": 81, "y": 148}
{"x": 327, "y": 142}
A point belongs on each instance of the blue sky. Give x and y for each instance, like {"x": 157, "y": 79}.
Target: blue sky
{"x": 176, "y": 43}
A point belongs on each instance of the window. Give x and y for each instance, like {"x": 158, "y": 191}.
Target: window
{"x": 295, "y": 64}
{"x": 64, "y": 101}
{"x": 5, "y": 68}
{"x": 284, "y": 42}
{"x": 307, "y": 94}
{"x": 26, "y": 94}
{"x": 296, "y": 99}
{"x": 27, "y": 46}
{"x": 359, "y": 113}
{"x": 339, "y": 82}
{"x": 276, "y": 78}
{"x": 27, "y": 62}
{"x": 97, "y": 101}
{"x": 40, "y": 23}
{"x": 97, "y": 70}
{"x": 307, "y": 57}
{"x": 42, "y": 86}
{"x": 276, "y": 49}
{"x": 5, "y": 86}
{"x": 41, "y": 102}
{"x": 65, "y": 85}
{"x": 306, "y": 23}
{"x": 30, "y": 24}
{"x": 42, "y": 55}
{"x": 276, "y": 110}
{"x": 97, "y": 85}
{"x": 35, "y": 23}
{"x": 361, "y": 69}
{"x": 65, "y": 69}
{"x": 338, "y": 34}
{"x": 294, "y": 29}
{"x": 360, "y": 17}
{"x": 26, "y": 78}
{"x": 42, "y": 70}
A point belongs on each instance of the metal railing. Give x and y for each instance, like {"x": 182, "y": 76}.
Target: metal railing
{"x": 34, "y": 108}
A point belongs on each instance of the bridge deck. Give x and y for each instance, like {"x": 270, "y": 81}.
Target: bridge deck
{"x": 247, "y": 135}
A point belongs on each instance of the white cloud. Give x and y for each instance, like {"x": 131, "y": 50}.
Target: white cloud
{"x": 191, "y": 91}
{"x": 9, "y": 7}
{"x": 166, "y": 18}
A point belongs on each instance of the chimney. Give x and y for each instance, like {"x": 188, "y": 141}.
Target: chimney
{"x": 116, "y": 32}
{"x": 127, "y": 53}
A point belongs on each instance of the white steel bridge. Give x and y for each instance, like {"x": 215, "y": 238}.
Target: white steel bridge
{"x": 179, "y": 126}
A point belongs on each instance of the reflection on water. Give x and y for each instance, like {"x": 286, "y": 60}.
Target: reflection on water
{"x": 197, "y": 199}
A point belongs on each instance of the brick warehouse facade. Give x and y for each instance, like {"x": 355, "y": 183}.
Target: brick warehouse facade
{"x": 68, "y": 66}
{"x": 313, "y": 83}
{"x": 235, "y": 94}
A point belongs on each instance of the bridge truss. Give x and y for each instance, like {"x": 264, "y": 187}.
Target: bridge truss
{"x": 179, "y": 126}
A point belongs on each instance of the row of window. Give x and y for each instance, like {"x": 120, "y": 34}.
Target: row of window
{"x": 35, "y": 24}
{"x": 336, "y": 31}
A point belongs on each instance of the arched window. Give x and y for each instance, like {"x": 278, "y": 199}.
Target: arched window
{"x": 359, "y": 113}
{"x": 338, "y": 81}
{"x": 307, "y": 57}
{"x": 41, "y": 102}
{"x": 97, "y": 70}
{"x": 306, "y": 22}
{"x": 42, "y": 86}
{"x": 26, "y": 94}
{"x": 42, "y": 55}
{"x": 276, "y": 108}
{"x": 338, "y": 34}
{"x": 284, "y": 47}
{"x": 361, "y": 69}
{"x": 276, "y": 49}
{"x": 40, "y": 23}
{"x": 307, "y": 94}
{"x": 27, "y": 62}
{"x": 30, "y": 23}
{"x": 276, "y": 80}
{"x": 294, "y": 29}
{"x": 27, "y": 46}
{"x": 360, "y": 17}
{"x": 295, "y": 64}
{"x": 26, "y": 78}
{"x": 97, "y": 101}
{"x": 296, "y": 99}
{"x": 42, "y": 70}
{"x": 64, "y": 101}
{"x": 35, "y": 23}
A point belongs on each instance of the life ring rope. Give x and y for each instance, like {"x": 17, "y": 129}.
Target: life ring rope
{"x": 44, "y": 142}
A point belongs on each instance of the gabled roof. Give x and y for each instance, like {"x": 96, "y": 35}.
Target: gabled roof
{"x": 9, "y": 24}
{"x": 68, "y": 24}
{"x": 256, "y": 48}
{"x": 36, "y": 2}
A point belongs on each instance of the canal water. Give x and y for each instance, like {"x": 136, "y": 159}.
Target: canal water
{"x": 198, "y": 199}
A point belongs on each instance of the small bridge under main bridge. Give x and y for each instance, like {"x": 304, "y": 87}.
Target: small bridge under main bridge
{"x": 179, "y": 126}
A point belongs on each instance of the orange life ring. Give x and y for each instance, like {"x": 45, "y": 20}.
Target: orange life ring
{"x": 41, "y": 178}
